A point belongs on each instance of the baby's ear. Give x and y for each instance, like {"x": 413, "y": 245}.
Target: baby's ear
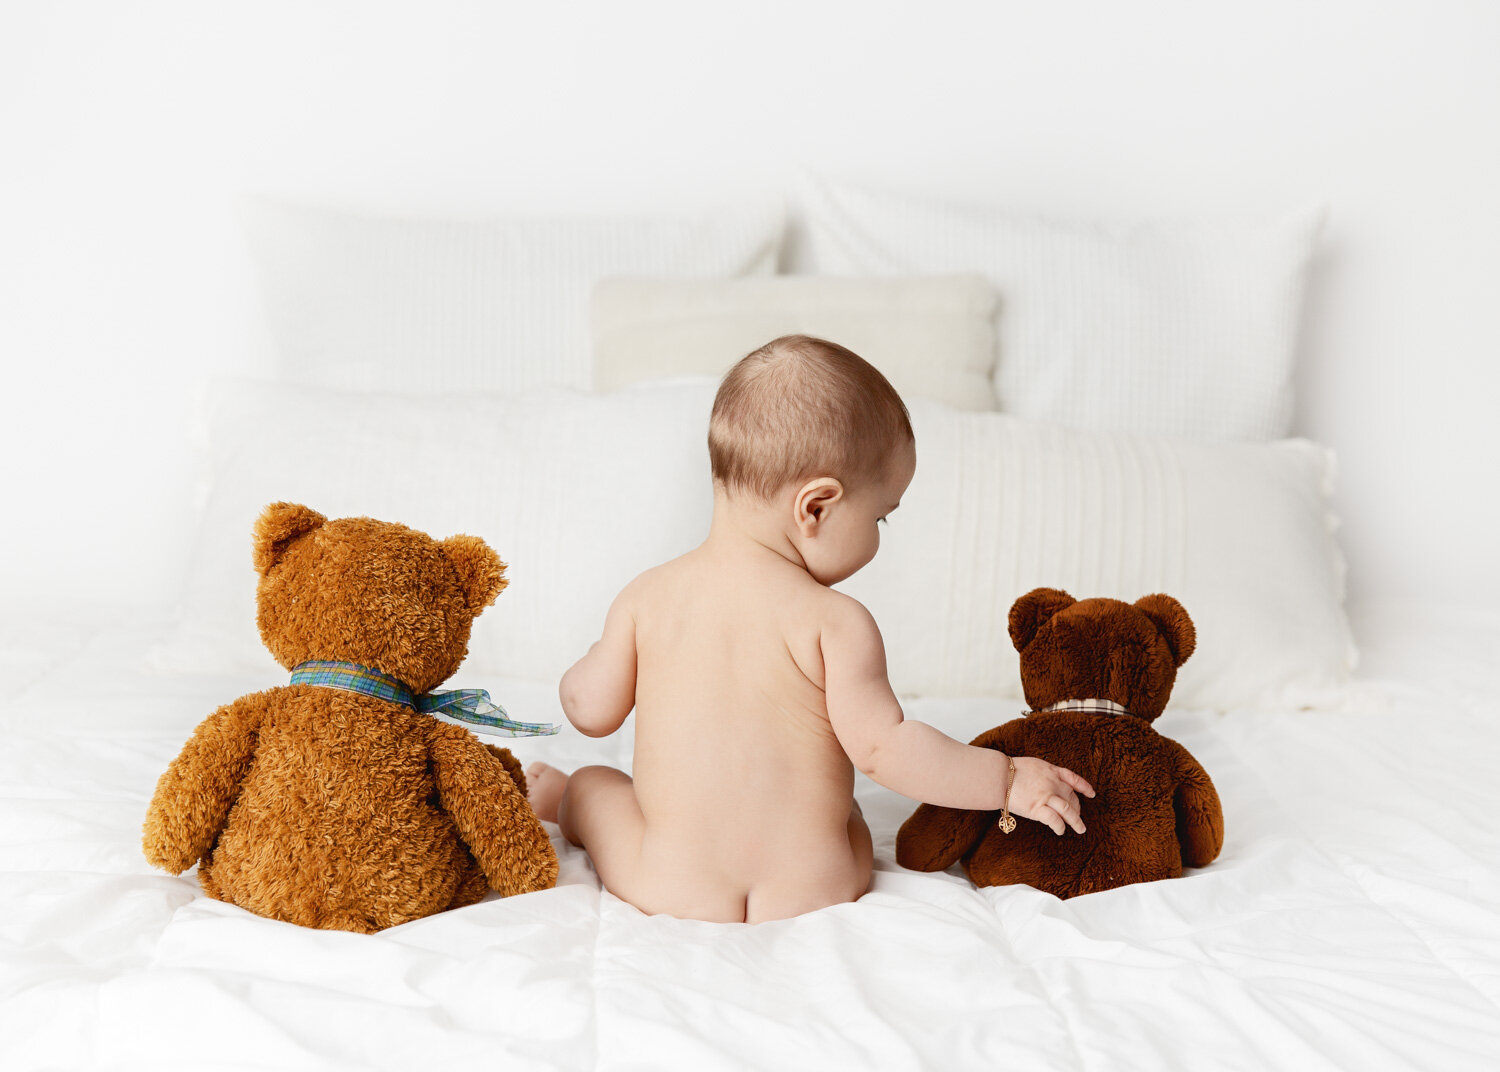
{"x": 480, "y": 571}
{"x": 813, "y": 500}
{"x": 1172, "y": 622}
{"x": 1032, "y": 610}
{"x": 277, "y": 527}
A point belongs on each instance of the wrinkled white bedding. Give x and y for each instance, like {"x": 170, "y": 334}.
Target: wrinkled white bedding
{"x": 1353, "y": 920}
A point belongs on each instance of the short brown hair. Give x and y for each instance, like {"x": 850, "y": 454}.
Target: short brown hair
{"x": 801, "y": 407}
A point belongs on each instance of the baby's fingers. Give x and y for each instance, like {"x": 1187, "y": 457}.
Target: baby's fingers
{"x": 1077, "y": 781}
{"x": 1067, "y": 808}
{"x": 1049, "y": 816}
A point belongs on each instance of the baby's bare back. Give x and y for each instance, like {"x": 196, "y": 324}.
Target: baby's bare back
{"x": 742, "y": 784}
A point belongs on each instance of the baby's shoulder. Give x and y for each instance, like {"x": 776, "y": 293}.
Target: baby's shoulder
{"x": 836, "y": 625}
{"x": 843, "y": 618}
{"x": 648, "y": 586}
{"x": 674, "y": 583}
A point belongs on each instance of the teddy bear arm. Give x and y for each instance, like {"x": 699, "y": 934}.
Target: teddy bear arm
{"x": 194, "y": 794}
{"x": 493, "y": 816}
{"x": 512, "y": 765}
{"x": 1200, "y": 818}
{"x": 934, "y": 837}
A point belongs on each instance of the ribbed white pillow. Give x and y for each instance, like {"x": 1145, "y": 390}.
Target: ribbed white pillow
{"x": 384, "y": 303}
{"x": 1240, "y": 533}
{"x": 580, "y": 493}
{"x": 1183, "y": 327}
{"x": 932, "y": 336}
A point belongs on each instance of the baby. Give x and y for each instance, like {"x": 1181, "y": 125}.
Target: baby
{"x": 757, "y": 688}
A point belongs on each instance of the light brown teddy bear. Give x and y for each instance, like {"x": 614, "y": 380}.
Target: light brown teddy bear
{"x": 1097, "y": 673}
{"x": 337, "y": 801}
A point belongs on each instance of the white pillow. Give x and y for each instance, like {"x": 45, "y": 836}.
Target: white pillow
{"x": 1240, "y": 533}
{"x": 1184, "y": 328}
{"x": 372, "y": 303}
{"x": 932, "y": 336}
{"x": 578, "y": 493}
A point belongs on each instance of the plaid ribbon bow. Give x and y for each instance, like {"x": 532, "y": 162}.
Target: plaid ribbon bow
{"x": 472, "y": 707}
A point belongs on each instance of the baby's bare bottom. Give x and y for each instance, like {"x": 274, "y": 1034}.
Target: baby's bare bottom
{"x": 599, "y": 812}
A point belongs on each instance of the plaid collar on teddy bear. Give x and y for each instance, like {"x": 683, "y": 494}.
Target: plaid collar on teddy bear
{"x": 471, "y": 707}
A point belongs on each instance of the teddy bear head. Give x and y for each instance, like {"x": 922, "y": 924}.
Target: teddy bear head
{"x": 1100, "y": 649}
{"x": 369, "y": 592}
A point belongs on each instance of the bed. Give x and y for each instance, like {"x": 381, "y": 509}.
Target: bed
{"x": 1352, "y": 920}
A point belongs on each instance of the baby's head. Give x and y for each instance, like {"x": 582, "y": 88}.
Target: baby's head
{"x": 814, "y": 432}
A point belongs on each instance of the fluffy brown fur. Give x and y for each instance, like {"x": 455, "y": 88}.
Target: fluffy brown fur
{"x": 338, "y": 810}
{"x": 1155, "y": 809}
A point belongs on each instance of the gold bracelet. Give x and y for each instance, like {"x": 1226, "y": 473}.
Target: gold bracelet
{"x": 1007, "y": 821}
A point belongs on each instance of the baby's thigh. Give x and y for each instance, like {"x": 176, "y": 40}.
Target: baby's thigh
{"x": 599, "y": 811}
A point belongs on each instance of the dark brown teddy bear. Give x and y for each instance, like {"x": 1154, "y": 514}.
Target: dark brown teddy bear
{"x": 1096, "y": 673}
{"x": 339, "y": 809}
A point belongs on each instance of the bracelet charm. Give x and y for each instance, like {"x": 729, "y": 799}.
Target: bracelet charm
{"x": 1007, "y": 820}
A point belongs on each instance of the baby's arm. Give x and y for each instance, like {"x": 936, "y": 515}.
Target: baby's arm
{"x": 915, "y": 759}
{"x": 598, "y": 691}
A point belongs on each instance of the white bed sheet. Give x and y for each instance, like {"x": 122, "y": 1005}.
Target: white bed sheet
{"x": 1353, "y": 920}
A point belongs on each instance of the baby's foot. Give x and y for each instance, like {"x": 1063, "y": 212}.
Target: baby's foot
{"x": 545, "y": 789}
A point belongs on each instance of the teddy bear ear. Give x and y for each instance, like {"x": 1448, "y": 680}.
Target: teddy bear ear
{"x": 1172, "y": 622}
{"x": 1028, "y": 613}
{"x": 278, "y": 525}
{"x": 480, "y": 570}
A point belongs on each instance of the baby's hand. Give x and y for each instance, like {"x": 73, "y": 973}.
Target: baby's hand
{"x": 1047, "y": 794}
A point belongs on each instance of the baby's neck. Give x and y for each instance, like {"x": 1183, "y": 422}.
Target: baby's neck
{"x": 745, "y": 527}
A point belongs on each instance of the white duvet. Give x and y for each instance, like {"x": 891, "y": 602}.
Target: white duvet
{"x": 1352, "y": 922}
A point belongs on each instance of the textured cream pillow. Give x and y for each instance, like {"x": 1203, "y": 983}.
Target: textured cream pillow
{"x": 933, "y": 336}
{"x": 1180, "y": 327}
{"x": 1241, "y": 533}
{"x": 378, "y": 303}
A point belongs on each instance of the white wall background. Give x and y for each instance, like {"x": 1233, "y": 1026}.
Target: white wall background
{"x": 126, "y": 127}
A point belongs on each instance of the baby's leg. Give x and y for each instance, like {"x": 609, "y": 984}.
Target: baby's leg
{"x": 597, "y": 810}
{"x": 590, "y": 804}
{"x": 544, "y": 789}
